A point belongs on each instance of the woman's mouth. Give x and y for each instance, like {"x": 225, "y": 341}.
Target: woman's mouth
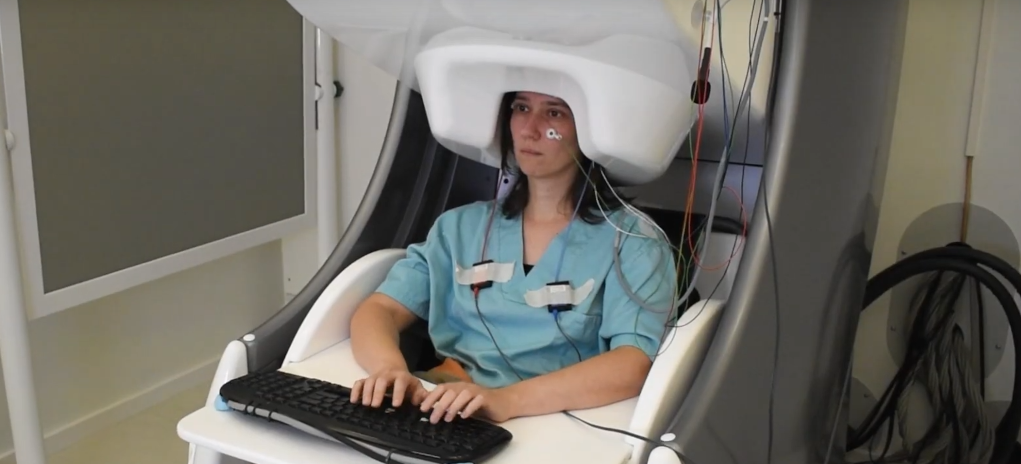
{"x": 530, "y": 152}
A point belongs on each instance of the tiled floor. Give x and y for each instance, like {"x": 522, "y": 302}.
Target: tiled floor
{"x": 149, "y": 437}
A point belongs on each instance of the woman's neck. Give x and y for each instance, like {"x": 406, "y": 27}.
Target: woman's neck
{"x": 548, "y": 200}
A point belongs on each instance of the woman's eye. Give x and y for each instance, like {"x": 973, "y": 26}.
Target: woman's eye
{"x": 555, "y": 113}
{"x": 519, "y": 107}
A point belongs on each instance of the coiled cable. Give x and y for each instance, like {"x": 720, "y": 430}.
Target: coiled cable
{"x": 934, "y": 358}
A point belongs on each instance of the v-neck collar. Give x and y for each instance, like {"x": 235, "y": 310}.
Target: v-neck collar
{"x": 510, "y": 248}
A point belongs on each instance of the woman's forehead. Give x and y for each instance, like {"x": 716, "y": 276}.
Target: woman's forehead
{"x": 539, "y": 98}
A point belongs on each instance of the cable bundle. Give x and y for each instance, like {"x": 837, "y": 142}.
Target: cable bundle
{"x": 963, "y": 433}
{"x": 938, "y": 359}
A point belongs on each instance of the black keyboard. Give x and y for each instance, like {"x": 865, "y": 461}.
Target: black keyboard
{"x": 326, "y": 408}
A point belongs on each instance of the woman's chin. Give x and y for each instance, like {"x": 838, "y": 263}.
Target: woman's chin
{"x": 535, "y": 172}
{"x": 535, "y": 169}
{"x": 530, "y": 169}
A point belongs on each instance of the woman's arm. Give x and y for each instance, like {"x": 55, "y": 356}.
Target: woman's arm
{"x": 375, "y": 333}
{"x": 375, "y": 340}
{"x": 613, "y": 376}
{"x": 400, "y": 299}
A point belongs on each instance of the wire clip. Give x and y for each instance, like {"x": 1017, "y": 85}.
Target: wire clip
{"x": 481, "y": 268}
{"x": 559, "y": 288}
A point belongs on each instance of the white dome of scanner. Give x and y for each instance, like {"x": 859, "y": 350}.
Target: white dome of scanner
{"x": 628, "y": 118}
{"x": 621, "y": 65}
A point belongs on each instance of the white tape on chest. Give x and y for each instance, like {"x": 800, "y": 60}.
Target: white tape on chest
{"x": 559, "y": 295}
{"x": 487, "y": 272}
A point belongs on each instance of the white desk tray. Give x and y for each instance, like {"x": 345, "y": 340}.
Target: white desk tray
{"x": 554, "y": 438}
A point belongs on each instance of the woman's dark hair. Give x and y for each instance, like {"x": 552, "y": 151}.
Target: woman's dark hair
{"x": 517, "y": 199}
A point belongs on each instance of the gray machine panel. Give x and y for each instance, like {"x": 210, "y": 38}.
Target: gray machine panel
{"x": 799, "y": 290}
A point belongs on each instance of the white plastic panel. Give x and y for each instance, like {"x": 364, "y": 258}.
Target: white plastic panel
{"x": 329, "y": 320}
{"x": 390, "y": 32}
{"x": 630, "y": 110}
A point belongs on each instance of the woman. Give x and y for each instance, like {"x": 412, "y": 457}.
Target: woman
{"x": 506, "y": 353}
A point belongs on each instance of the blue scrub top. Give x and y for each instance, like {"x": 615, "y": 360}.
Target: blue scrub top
{"x": 424, "y": 282}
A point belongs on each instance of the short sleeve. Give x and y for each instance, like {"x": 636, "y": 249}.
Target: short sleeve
{"x": 408, "y": 281}
{"x": 648, "y": 270}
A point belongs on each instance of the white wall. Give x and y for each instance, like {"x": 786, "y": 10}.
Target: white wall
{"x": 363, "y": 114}
{"x": 101, "y": 362}
{"x": 924, "y": 181}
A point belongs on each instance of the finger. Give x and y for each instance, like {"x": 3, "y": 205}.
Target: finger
{"x": 418, "y": 394}
{"x": 379, "y": 392}
{"x": 441, "y": 406}
{"x": 458, "y": 404}
{"x": 356, "y": 391}
{"x": 474, "y": 405}
{"x": 400, "y": 387}
{"x": 367, "y": 390}
{"x": 432, "y": 397}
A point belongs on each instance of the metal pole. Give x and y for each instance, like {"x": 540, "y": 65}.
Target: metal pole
{"x": 328, "y": 223}
{"x": 15, "y": 355}
{"x": 14, "y": 346}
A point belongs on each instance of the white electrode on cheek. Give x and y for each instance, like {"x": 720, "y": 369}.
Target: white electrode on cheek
{"x": 552, "y": 134}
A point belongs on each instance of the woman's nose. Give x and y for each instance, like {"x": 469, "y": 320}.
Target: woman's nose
{"x": 532, "y": 126}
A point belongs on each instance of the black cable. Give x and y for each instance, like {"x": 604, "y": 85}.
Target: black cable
{"x": 778, "y": 33}
{"x": 981, "y": 335}
{"x": 679, "y": 454}
{"x": 945, "y": 295}
{"x": 556, "y": 317}
{"x": 918, "y": 342}
{"x": 776, "y": 319}
{"x": 967, "y": 263}
{"x": 1008, "y": 429}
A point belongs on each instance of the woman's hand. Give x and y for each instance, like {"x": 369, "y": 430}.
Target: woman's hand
{"x": 450, "y": 400}
{"x": 372, "y": 391}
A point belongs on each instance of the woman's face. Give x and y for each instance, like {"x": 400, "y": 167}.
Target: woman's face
{"x": 532, "y": 115}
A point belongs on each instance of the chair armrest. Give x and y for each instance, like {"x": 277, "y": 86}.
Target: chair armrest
{"x": 233, "y": 364}
{"x": 329, "y": 320}
{"x": 673, "y": 373}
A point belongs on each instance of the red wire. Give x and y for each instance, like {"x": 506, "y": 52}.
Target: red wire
{"x": 688, "y": 223}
